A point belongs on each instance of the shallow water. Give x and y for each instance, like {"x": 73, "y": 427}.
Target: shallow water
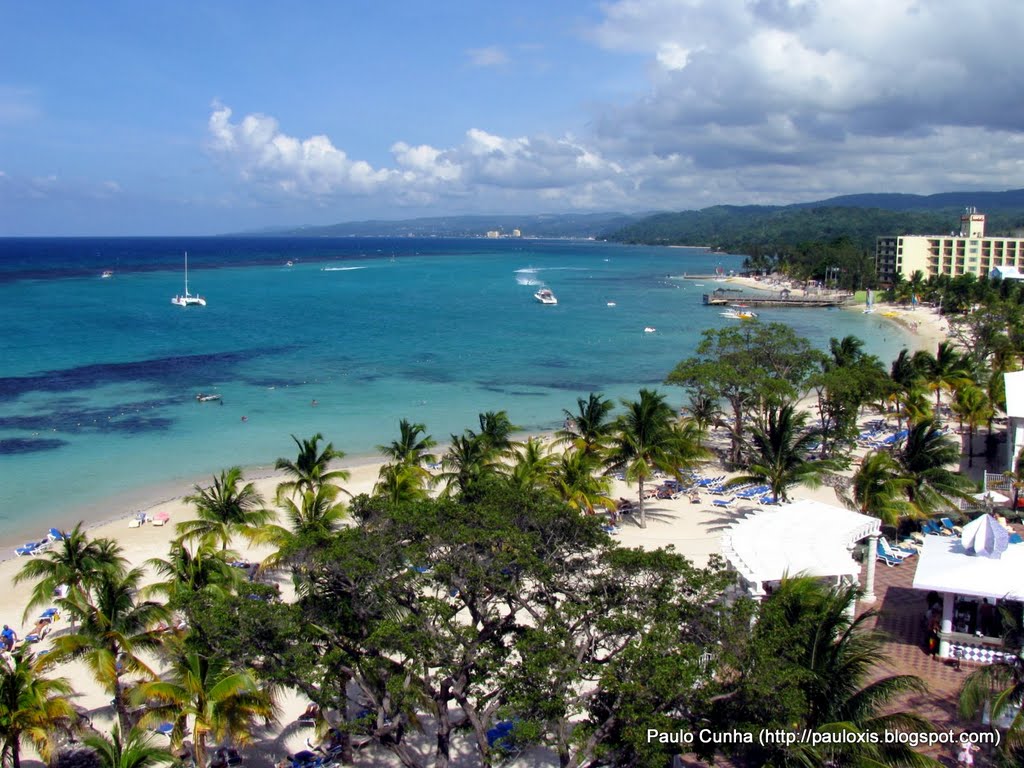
{"x": 98, "y": 377}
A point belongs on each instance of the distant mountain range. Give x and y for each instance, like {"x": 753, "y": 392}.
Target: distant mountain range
{"x": 860, "y": 218}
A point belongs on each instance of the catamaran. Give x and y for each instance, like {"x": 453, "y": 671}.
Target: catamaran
{"x": 187, "y": 299}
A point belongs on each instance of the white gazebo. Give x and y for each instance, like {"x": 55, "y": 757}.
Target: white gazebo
{"x": 972, "y": 585}
{"x": 805, "y": 537}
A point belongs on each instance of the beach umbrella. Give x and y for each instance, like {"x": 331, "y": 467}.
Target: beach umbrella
{"x": 993, "y": 497}
{"x": 985, "y": 537}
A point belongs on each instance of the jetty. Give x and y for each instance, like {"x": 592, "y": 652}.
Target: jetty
{"x": 783, "y": 298}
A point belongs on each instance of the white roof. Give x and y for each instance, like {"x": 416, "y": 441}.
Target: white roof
{"x": 945, "y": 566}
{"x": 1014, "y": 383}
{"x": 1007, "y": 273}
{"x": 806, "y": 536}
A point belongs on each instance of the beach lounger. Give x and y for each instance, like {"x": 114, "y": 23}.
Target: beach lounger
{"x": 885, "y": 548}
{"x": 889, "y": 560}
{"x": 929, "y": 528}
{"x": 55, "y": 535}
{"x": 724, "y": 502}
{"x": 950, "y": 528}
{"x": 1015, "y": 538}
{"x": 29, "y": 548}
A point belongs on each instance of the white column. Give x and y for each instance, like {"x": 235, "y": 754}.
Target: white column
{"x": 947, "y": 624}
{"x": 869, "y": 576}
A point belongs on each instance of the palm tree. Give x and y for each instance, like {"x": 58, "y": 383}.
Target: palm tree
{"x": 115, "y": 631}
{"x": 221, "y": 701}
{"x": 467, "y": 461}
{"x": 32, "y": 707}
{"x": 836, "y": 656}
{"x": 845, "y": 352}
{"x": 410, "y": 448}
{"x": 532, "y": 467}
{"x": 310, "y": 468}
{"x": 224, "y": 509}
{"x": 646, "y": 439}
{"x": 878, "y": 489}
{"x": 191, "y": 569}
{"x": 589, "y": 428}
{"x": 778, "y": 450}
{"x": 575, "y": 482}
{"x": 972, "y": 405}
{"x": 134, "y": 751}
{"x": 948, "y": 370}
{"x": 314, "y": 519}
{"x": 924, "y": 459}
{"x": 703, "y": 410}
{"x": 401, "y": 483}
{"x": 495, "y": 433}
{"x": 75, "y": 562}
{"x": 1000, "y": 686}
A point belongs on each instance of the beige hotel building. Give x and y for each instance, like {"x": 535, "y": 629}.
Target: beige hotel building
{"x": 960, "y": 253}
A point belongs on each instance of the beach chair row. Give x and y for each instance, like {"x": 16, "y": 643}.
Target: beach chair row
{"x": 36, "y": 547}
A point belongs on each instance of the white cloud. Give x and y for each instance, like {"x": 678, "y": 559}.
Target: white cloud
{"x": 491, "y": 56}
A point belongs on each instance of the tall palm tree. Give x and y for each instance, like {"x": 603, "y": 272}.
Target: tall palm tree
{"x": 467, "y": 461}
{"x": 192, "y": 568}
{"x": 495, "y": 433}
{"x": 879, "y": 489}
{"x": 400, "y": 483}
{"x": 925, "y": 458}
{"x": 948, "y": 371}
{"x": 845, "y": 351}
{"x": 116, "y": 630}
{"x": 224, "y": 509}
{"x": 219, "y": 700}
{"x": 315, "y": 518}
{"x": 133, "y": 751}
{"x": 412, "y": 446}
{"x": 532, "y": 465}
{"x": 972, "y": 405}
{"x": 310, "y": 468}
{"x": 74, "y": 562}
{"x": 33, "y": 707}
{"x": 589, "y": 428}
{"x": 777, "y": 452}
{"x": 703, "y": 411}
{"x": 576, "y": 482}
{"x": 646, "y": 439}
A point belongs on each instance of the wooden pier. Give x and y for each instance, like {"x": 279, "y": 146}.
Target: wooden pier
{"x": 782, "y": 298}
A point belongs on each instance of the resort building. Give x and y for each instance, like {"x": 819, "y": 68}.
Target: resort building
{"x": 1014, "y": 385}
{"x": 968, "y": 251}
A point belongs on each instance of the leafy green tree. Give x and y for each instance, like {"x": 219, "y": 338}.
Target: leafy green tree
{"x": 778, "y": 453}
{"x": 405, "y": 475}
{"x": 117, "y": 630}
{"x": 703, "y": 410}
{"x": 310, "y": 468}
{"x": 495, "y": 433}
{"x": 224, "y": 509}
{"x": 532, "y": 466}
{"x": 576, "y": 481}
{"x": 947, "y": 371}
{"x": 33, "y": 707}
{"x": 467, "y": 462}
{"x": 135, "y": 750}
{"x": 647, "y": 439}
{"x": 401, "y": 483}
{"x": 751, "y": 367}
{"x": 972, "y": 405}
{"x": 311, "y": 522}
{"x": 192, "y": 567}
{"x": 590, "y": 427}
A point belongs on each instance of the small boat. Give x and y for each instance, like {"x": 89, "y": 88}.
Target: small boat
{"x": 204, "y": 398}
{"x": 545, "y": 296}
{"x": 289, "y": 263}
{"x": 732, "y": 314}
{"x": 649, "y": 329}
{"x": 869, "y": 308}
{"x": 611, "y": 303}
{"x": 187, "y": 299}
{"x": 107, "y": 274}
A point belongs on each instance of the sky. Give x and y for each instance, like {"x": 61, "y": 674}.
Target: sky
{"x": 128, "y": 118}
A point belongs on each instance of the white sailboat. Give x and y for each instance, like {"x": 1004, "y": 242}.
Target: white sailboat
{"x": 869, "y": 309}
{"x": 187, "y": 299}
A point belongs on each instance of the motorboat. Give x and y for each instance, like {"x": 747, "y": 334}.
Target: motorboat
{"x": 107, "y": 274}
{"x": 289, "y": 263}
{"x": 545, "y": 296}
{"x": 187, "y": 299}
{"x": 742, "y": 314}
{"x": 650, "y": 329}
{"x": 204, "y": 398}
{"x": 611, "y": 303}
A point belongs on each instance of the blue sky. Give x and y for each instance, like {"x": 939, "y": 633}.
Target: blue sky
{"x": 186, "y": 117}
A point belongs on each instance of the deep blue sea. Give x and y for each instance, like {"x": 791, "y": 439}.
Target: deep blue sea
{"x": 98, "y": 377}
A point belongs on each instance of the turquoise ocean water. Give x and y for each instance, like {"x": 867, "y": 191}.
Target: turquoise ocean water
{"x": 98, "y": 377}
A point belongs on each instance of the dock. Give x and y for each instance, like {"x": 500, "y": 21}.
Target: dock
{"x": 783, "y": 298}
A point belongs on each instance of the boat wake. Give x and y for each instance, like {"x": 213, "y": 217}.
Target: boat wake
{"x": 339, "y": 269}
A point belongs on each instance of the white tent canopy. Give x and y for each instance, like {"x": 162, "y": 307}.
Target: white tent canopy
{"x": 803, "y": 537}
{"x": 945, "y": 566}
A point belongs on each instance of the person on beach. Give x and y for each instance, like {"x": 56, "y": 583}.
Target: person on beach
{"x": 966, "y": 754}
{"x": 9, "y": 637}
